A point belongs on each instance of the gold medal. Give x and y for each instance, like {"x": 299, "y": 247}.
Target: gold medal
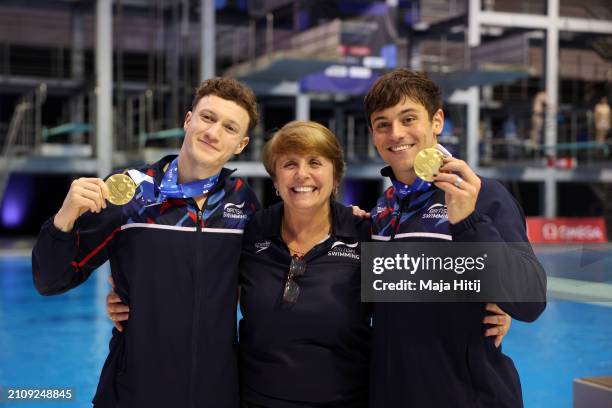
{"x": 427, "y": 163}
{"x": 121, "y": 188}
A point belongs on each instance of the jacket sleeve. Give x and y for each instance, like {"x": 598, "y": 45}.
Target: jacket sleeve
{"x": 498, "y": 218}
{"x": 64, "y": 260}
{"x": 364, "y": 229}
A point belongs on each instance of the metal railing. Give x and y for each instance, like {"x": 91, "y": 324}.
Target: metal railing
{"x": 9, "y": 143}
{"x": 28, "y": 134}
{"x": 575, "y": 139}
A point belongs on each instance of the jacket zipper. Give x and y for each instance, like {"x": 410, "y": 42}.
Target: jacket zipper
{"x": 404, "y": 204}
{"x": 397, "y": 217}
{"x": 195, "y": 325}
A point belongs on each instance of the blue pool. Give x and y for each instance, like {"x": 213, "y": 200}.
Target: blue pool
{"x": 61, "y": 341}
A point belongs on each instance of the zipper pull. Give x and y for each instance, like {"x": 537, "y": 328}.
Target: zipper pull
{"x": 200, "y": 218}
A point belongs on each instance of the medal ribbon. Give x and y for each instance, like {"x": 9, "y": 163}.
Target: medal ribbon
{"x": 150, "y": 192}
{"x": 404, "y": 190}
{"x": 169, "y": 187}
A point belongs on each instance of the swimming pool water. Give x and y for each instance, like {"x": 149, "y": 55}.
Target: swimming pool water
{"x": 62, "y": 341}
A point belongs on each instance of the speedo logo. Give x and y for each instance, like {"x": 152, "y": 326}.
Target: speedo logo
{"x": 344, "y": 249}
{"x": 436, "y": 211}
{"x": 231, "y": 210}
{"x": 261, "y": 246}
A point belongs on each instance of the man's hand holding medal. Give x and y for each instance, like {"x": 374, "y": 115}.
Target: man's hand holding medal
{"x": 91, "y": 194}
{"x": 459, "y": 182}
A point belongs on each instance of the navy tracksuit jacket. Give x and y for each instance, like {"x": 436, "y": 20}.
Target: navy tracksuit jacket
{"x": 177, "y": 269}
{"x": 435, "y": 354}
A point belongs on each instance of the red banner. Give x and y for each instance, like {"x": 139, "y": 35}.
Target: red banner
{"x": 566, "y": 230}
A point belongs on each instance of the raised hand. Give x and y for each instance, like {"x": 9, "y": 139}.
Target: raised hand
{"x": 461, "y": 187}
{"x": 85, "y": 194}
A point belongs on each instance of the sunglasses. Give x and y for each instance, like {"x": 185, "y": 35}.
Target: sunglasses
{"x": 292, "y": 289}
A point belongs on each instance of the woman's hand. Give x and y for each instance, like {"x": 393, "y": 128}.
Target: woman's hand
{"x": 358, "y": 212}
{"x": 500, "y": 321}
{"x": 115, "y": 308}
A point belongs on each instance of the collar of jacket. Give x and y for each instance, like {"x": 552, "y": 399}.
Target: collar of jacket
{"x": 387, "y": 172}
{"x": 159, "y": 168}
{"x": 343, "y": 221}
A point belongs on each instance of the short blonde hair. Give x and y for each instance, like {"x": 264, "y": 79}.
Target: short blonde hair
{"x": 304, "y": 137}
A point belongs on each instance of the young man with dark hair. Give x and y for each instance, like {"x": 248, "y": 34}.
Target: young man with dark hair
{"x": 434, "y": 354}
{"x": 172, "y": 251}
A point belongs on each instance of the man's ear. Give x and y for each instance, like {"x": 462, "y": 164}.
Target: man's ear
{"x": 188, "y": 117}
{"x": 438, "y": 122}
{"x": 243, "y": 143}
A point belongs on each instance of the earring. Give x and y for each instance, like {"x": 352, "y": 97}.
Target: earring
{"x": 277, "y": 194}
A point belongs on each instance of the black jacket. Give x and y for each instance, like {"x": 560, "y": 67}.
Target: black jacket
{"x": 177, "y": 269}
{"x": 436, "y": 354}
{"x": 317, "y": 350}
